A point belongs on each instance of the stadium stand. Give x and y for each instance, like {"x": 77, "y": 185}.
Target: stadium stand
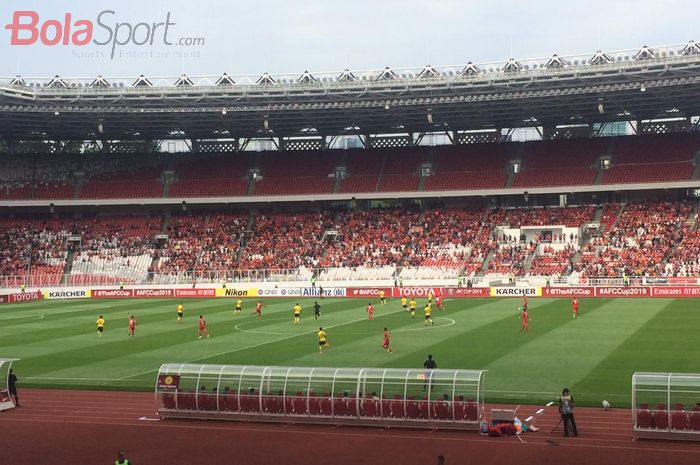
{"x": 482, "y": 166}
{"x": 296, "y": 172}
{"x": 638, "y": 243}
{"x": 559, "y": 163}
{"x": 33, "y": 248}
{"x": 652, "y": 158}
{"x": 217, "y": 175}
{"x": 114, "y": 249}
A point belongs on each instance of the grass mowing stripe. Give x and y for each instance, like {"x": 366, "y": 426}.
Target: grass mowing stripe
{"x": 667, "y": 342}
{"x": 212, "y": 358}
{"x": 64, "y": 347}
{"x": 562, "y": 356}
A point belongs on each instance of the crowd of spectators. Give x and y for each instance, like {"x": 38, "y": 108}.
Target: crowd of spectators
{"x": 33, "y": 248}
{"x": 638, "y": 242}
{"x": 286, "y": 241}
{"x": 567, "y": 216}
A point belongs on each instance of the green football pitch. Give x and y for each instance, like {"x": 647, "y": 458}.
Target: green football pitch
{"x": 595, "y": 355}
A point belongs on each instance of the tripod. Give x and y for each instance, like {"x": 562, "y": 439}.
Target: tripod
{"x": 557, "y": 425}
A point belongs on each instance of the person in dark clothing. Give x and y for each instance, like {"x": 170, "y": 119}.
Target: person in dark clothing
{"x": 121, "y": 459}
{"x": 566, "y": 410}
{"x": 429, "y": 364}
{"x": 12, "y": 387}
{"x": 317, "y": 311}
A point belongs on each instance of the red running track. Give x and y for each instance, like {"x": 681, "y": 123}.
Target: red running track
{"x": 87, "y": 427}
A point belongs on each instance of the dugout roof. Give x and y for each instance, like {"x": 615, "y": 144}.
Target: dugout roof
{"x": 642, "y": 84}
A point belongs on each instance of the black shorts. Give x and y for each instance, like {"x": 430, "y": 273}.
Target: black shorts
{"x": 427, "y": 317}
{"x": 405, "y": 307}
{"x": 297, "y": 315}
{"x": 179, "y": 314}
{"x": 100, "y": 329}
{"x": 238, "y": 309}
{"x": 322, "y": 343}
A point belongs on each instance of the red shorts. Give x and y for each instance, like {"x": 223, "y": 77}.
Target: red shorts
{"x": 386, "y": 343}
{"x": 202, "y": 328}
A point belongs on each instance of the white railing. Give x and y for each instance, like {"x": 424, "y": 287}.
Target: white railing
{"x": 387, "y": 275}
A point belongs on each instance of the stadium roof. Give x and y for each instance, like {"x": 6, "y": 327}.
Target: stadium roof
{"x": 642, "y": 84}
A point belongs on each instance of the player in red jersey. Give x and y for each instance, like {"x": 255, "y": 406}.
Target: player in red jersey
{"x": 574, "y": 307}
{"x": 132, "y": 326}
{"x": 385, "y": 345}
{"x": 202, "y": 327}
{"x": 258, "y": 309}
{"x": 370, "y": 311}
{"x": 439, "y": 302}
{"x": 526, "y": 321}
{"x": 525, "y": 302}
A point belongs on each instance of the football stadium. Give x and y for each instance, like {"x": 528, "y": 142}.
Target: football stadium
{"x": 361, "y": 266}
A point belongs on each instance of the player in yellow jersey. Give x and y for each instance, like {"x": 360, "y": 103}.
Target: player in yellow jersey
{"x": 412, "y": 306}
{"x": 297, "y": 313}
{"x": 427, "y": 310}
{"x": 100, "y": 325}
{"x": 180, "y": 312}
{"x": 404, "y": 303}
{"x": 430, "y": 297}
{"x": 322, "y": 340}
{"x": 239, "y": 307}
{"x": 382, "y": 299}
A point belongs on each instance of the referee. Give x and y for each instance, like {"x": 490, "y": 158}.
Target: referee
{"x": 429, "y": 364}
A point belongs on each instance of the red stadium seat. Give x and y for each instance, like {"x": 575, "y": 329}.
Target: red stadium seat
{"x": 370, "y": 407}
{"x": 299, "y": 404}
{"x": 644, "y": 419}
{"x": 679, "y": 420}
{"x": 694, "y": 421}
{"x": 340, "y": 406}
{"x": 441, "y": 410}
{"x": 660, "y": 419}
{"x": 412, "y": 409}
{"x": 396, "y": 407}
{"x": 460, "y": 410}
{"x": 326, "y": 405}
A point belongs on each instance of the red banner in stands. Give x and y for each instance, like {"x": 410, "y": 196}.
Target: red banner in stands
{"x": 568, "y": 292}
{"x": 20, "y": 297}
{"x": 620, "y": 291}
{"x": 154, "y": 293}
{"x": 675, "y": 291}
{"x": 683, "y": 280}
{"x": 188, "y": 293}
{"x": 368, "y": 291}
{"x": 112, "y": 293}
{"x": 415, "y": 291}
{"x": 465, "y": 291}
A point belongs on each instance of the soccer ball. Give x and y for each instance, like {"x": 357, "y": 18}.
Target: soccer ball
{"x": 606, "y": 404}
